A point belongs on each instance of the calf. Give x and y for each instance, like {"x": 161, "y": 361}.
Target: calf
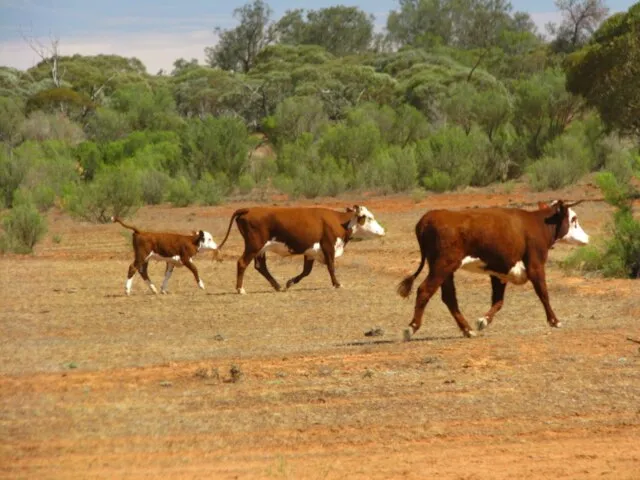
{"x": 172, "y": 248}
{"x": 510, "y": 245}
{"x": 316, "y": 233}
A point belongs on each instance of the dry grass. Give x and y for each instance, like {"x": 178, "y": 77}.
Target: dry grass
{"x": 210, "y": 384}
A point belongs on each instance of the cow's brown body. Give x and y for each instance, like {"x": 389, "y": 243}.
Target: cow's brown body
{"x": 173, "y": 248}
{"x": 316, "y": 233}
{"x": 510, "y": 245}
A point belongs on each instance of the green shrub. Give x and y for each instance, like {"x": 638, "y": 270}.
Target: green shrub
{"x": 114, "y": 191}
{"x": 211, "y": 190}
{"x": 24, "y": 227}
{"x": 181, "y": 192}
{"x": 438, "y": 182}
{"x": 565, "y": 161}
{"x": 620, "y": 254}
{"x": 154, "y": 186}
{"x": 12, "y": 173}
{"x": 246, "y": 184}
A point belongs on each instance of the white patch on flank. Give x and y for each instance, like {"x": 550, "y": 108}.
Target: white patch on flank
{"x": 276, "y": 247}
{"x": 517, "y": 274}
{"x": 175, "y": 260}
{"x": 576, "y": 235}
{"x": 315, "y": 252}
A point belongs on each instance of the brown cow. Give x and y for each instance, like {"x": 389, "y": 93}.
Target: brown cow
{"x": 172, "y": 248}
{"x": 510, "y": 245}
{"x": 317, "y": 233}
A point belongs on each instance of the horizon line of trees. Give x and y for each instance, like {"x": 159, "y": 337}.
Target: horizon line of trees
{"x": 454, "y": 93}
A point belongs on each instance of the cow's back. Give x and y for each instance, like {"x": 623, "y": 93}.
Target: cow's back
{"x": 298, "y": 228}
{"x": 484, "y": 232}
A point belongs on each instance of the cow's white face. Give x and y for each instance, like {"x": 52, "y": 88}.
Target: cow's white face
{"x": 366, "y": 225}
{"x": 576, "y": 235}
{"x": 207, "y": 242}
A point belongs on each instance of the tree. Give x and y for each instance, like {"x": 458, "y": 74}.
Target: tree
{"x": 580, "y": 18}
{"x": 238, "y": 48}
{"x": 421, "y": 23}
{"x": 340, "y": 30}
{"x": 606, "y": 72}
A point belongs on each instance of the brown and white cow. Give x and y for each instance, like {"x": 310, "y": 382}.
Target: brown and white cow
{"x": 172, "y": 248}
{"x": 316, "y": 233}
{"x": 511, "y": 245}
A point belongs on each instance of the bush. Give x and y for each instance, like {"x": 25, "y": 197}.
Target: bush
{"x": 246, "y": 184}
{"x": 12, "y": 173}
{"x": 181, "y": 192}
{"x": 620, "y": 255}
{"x": 566, "y": 160}
{"x": 211, "y": 190}
{"x": 24, "y": 227}
{"x": 154, "y": 186}
{"x": 115, "y": 191}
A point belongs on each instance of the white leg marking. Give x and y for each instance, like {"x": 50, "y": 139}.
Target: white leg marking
{"x": 127, "y": 287}
{"x": 167, "y": 276}
{"x": 152, "y": 287}
{"x": 242, "y": 291}
{"x": 201, "y": 284}
{"x": 482, "y": 323}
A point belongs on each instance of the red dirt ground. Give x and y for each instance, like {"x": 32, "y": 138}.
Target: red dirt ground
{"x": 210, "y": 384}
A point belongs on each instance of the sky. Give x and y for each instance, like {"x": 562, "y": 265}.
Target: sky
{"x": 158, "y": 32}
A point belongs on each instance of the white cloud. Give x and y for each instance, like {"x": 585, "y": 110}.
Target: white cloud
{"x": 156, "y": 50}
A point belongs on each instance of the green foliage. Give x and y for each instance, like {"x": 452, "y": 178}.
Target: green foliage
{"x": 606, "y": 72}
{"x": 41, "y": 126}
{"x": 11, "y": 120}
{"x": 24, "y": 227}
{"x": 114, "y": 191}
{"x": 620, "y": 254}
{"x": 181, "y": 192}
{"x": 295, "y": 116}
{"x": 215, "y": 145}
{"x": 211, "y": 190}
{"x": 154, "y": 186}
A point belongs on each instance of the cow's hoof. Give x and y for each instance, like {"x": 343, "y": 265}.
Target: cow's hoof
{"x": 469, "y": 333}
{"x": 242, "y": 291}
{"x": 288, "y": 285}
{"x": 164, "y": 292}
{"x": 338, "y": 285}
{"x": 556, "y": 325}
{"x": 406, "y": 334}
{"x": 201, "y": 284}
{"x": 482, "y": 323}
{"x": 127, "y": 293}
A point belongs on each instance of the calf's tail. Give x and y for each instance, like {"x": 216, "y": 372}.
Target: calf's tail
{"x": 130, "y": 227}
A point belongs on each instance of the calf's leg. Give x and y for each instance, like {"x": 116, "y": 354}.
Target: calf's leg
{"x": 167, "y": 276}
{"x": 143, "y": 272}
{"x": 130, "y": 274}
{"x": 186, "y": 261}
{"x": 497, "y": 300}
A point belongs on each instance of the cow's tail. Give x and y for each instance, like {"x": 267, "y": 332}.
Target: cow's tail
{"x": 236, "y": 214}
{"x": 130, "y": 227}
{"x": 405, "y": 286}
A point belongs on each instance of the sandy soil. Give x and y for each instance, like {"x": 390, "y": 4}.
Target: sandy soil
{"x": 210, "y": 384}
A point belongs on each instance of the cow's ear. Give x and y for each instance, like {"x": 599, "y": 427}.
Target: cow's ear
{"x": 543, "y": 205}
{"x": 349, "y": 209}
{"x": 200, "y": 235}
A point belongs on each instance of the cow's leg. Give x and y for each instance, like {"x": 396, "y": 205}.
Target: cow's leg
{"x": 537, "y": 277}
{"x": 497, "y": 300}
{"x": 243, "y": 263}
{"x": 448, "y": 292}
{"x": 167, "y": 276}
{"x": 143, "y": 272}
{"x": 186, "y": 261}
{"x": 438, "y": 273}
{"x": 329, "y": 253}
{"x": 306, "y": 270}
{"x": 130, "y": 274}
{"x": 260, "y": 263}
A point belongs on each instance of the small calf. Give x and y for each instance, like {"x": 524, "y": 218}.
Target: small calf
{"x": 172, "y": 248}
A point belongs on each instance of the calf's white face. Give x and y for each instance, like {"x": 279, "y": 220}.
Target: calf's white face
{"x": 366, "y": 225}
{"x": 576, "y": 235}
{"x": 207, "y": 242}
